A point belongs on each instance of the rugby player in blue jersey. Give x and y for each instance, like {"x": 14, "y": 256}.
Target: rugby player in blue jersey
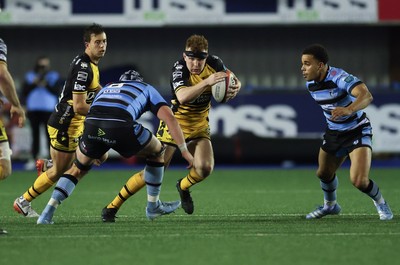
{"x": 112, "y": 123}
{"x": 342, "y": 98}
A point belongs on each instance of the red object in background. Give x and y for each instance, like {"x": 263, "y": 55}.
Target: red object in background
{"x": 389, "y": 10}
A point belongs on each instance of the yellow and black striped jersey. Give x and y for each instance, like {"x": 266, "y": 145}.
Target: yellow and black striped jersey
{"x": 193, "y": 114}
{"x": 83, "y": 77}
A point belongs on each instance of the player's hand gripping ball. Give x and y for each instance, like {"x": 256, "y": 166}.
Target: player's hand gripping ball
{"x": 220, "y": 89}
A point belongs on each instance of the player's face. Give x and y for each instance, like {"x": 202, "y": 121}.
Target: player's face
{"x": 195, "y": 65}
{"x": 97, "y": 46}
{"x": 311, "y": 68}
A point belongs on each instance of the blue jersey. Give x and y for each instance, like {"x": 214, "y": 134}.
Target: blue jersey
{"x": 335, "y": 91}
{"x": 125, "y": 101}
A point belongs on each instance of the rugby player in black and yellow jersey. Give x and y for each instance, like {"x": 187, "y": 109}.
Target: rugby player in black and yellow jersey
{"x": 7, "y": 89}
{"x": 191, "y": 81}
{"x": 65, "y": 125}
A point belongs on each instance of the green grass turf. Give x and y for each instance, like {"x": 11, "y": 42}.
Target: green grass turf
{"x": 242, "y": 216}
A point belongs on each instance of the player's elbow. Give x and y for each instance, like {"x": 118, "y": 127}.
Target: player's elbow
{"x": 370, "y": 97}
{"x": 182, "y": 99}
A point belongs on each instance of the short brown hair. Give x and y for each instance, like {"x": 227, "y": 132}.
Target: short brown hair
{"x": 197, "y": 43}
{"x": 95, "y": 29}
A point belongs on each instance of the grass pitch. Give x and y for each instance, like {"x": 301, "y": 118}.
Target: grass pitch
{"x": 242, "y": 216}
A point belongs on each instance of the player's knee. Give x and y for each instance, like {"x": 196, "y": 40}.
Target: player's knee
{"x": 325, "y": 175}
{"x": 360, "y": 182}
{"x": 5, "y": 172}
{"x": 82, "y": 169}
{"x": 4, "y": 175}
{"x": 205, "y": 170}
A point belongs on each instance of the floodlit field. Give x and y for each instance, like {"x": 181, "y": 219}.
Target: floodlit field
{"x": 242, "y": 216}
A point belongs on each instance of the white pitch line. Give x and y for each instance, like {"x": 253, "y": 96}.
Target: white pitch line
{"x": 210, "y": 235}
{"x": 207, "y": 215}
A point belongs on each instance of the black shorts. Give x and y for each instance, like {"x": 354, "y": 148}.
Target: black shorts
{"x": 126, "y": 138}
{"x": 342, "y": 143}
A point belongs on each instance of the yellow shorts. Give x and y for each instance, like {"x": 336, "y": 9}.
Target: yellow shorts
{"x": 66, "y": 141}
{"x": 3, "y": 134}
{"x": 5, "y": 151}
{"x": 189, "y": 133}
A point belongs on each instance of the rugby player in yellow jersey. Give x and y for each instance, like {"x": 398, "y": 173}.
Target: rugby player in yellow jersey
{"x": 65, "y": 125}
{"x": 7, "y": 88}
{"x": 191, "y": 81}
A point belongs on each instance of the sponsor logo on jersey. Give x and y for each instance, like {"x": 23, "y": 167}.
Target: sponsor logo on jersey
{"x": 90, "y": 96}
{"x": 113, "y": 90}
{"x": 176, "y": 74}
{"x": 78, "y": 87}
{"x": 177, "y": 84}
{"x": 178, "y": 66}
{"x": 349, "y": 79}
{"x": 82, "y": 76}
{"x": 84, "y": 65}
{"x": 333, "y": 93}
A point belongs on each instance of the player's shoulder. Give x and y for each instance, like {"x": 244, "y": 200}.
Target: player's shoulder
{"x": 133, "y": 85}
{"x": 338, "y": 75}
{"x": 81, "y": 62}
{"x": 215, "y": 62}
{"x": 179, "y": 71}
{"x": 179, "y": 65}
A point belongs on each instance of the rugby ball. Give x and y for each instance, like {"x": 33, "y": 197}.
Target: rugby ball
{"x": 220, "y": 90}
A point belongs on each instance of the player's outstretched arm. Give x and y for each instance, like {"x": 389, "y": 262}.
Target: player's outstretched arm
{"x": 7, "y": 87}
{"x": 165, "y": 114}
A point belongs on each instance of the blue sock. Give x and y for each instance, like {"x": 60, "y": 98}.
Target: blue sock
{"x": 329, "y": 189}
{"x": 64, "y": 187}
{"x": 153, "y": 175}
{"x": 374, "y": 192}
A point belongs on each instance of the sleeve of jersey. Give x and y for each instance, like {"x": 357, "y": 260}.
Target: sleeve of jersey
{"x": 180, "y": 76}
{"x": 81, "y": 78}
{"x": 216, "y": 63}
{"x": 348, "y": 82}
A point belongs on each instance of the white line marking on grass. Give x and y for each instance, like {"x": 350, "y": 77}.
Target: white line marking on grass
{"x": 206, "y": 215}
{"x": 203, "y": 235}
{"x": 330, "y": 234}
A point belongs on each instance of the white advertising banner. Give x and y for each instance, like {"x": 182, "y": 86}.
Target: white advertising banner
{"x": 134, "y": 13}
